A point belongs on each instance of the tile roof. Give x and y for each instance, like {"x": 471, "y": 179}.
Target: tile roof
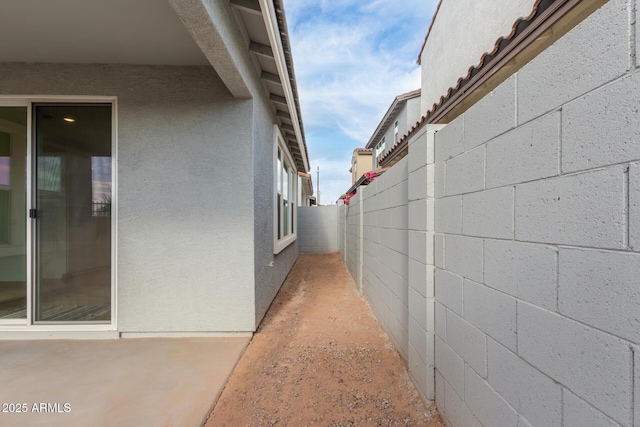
{"x": 363, "y": 150}
{"x": 398, "y": 102}
{"x": 524, "y": 27}
{"x": 284, "y": 37}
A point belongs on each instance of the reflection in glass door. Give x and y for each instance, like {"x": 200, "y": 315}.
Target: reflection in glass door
{"x": 13, "y": 218}
{"x": 73, "y": 212}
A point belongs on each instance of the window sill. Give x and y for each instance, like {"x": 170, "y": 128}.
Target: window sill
{"x": 282, "y": 244}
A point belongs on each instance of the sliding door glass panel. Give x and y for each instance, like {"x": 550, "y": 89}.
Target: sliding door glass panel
{"x": 73, "y": 226}
{"x": 13, "y": 213}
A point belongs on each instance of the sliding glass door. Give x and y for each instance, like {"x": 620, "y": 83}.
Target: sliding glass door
{"x": 72, "y": 183}
{"x": 13, "y": 218}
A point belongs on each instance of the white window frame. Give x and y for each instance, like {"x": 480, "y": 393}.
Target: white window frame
{"x": 380, "y": 147}
{"x": 395, "y": 132}
{"x": 279, "y": 244}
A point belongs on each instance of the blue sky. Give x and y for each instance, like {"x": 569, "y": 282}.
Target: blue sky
{"x": 352, "y": 58}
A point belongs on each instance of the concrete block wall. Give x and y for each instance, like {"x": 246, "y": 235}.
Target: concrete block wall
{"x": 318, "y": 229}
{"x": 376, "y": 250}
{"x": 537, "y": 252}
{"x": 385, "y": 252}
{"x": 353, "y": 244}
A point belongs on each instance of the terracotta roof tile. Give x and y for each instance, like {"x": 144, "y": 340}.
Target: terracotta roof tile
{"x": 519, "y": 25}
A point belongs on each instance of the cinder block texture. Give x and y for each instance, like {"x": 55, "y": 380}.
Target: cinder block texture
{"x": 578, "y": 413}
{"x": 487, "y": 405}
{"x": 418, "y": 215}
{"x": 468, "y": 342}
{"x": 465, "y": 173}
{"x": 449, "y": 290}
{"x": 317, "y": 229}
{"x": 450, "y": 365}
{"x": 522, "y": 422}
{"x": 456, "y": 411}
{"x": 439, "y": 180}
{"x": 418, "y": 184}
{"x": 448, "y": 215}
{"x": 530, "y": 392}
{"x": 417, "y": 309}
{"x": 526, "y": 153}
{"x": 594, "y": 365}
{"x": 418, "y": 151}
{"x": 464, "y": 256}
{"x": 603, "y": 127}
{"x": 418, "y": 339}
{"x": 440, "y": 391}
{"x": 449, "y": 141}
{"x": 417, "y": 370}
{"x": 490, "y": 311}
{"x": 418, "y": 246}
{"x": 492, "y": 115}
{"x": 441, "y": 321}
{"x": 488, "y": 213}
{"x": 438, "y": 251}
{"x": 584, "y": 210}
{"x": 522, "y": 270}
{"x": 636, "y": 375}
{"x": 634, "y": 206}
{"x": 599, "y": 43}
{"x": 601, "y": 289}
{"x": 418, "y": 277}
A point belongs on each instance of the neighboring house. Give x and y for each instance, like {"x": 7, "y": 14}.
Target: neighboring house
{"x": 402, "y": 114}
{"x": 305, "y": 190}
{"x": 149, "y": 153}
{"x": 360, "y": 163}
{"x": 502, "y": 254}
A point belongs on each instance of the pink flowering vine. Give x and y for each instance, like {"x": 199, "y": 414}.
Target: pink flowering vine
{"x": 370, "y": 176}
{"x": 348, "y": 197}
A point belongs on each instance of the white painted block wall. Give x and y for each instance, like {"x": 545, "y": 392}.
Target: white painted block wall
{"x": 317, "y": 229}
{"x": 522, "y": 221}
{"x": 380, "y": 263}
{"x": 537, "y": 283}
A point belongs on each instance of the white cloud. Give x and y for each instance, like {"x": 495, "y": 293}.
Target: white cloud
{"x": 352, "y": 58}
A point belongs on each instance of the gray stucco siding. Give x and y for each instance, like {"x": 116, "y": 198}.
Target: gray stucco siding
{"x": 185, "y": 191}
{"x": 270, "y": 270}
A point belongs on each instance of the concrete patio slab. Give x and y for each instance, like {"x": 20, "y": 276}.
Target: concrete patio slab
{"x": 126, "y": 382}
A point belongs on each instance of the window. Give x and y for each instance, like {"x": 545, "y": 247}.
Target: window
{"x": 285, "y": 190}
{"x": 380, "y": 147}
{"x": 395, "y": 132}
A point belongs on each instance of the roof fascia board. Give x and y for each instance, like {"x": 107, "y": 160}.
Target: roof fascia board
{"x": 206, "y": 22}
{"x": 271, "y": 23}
{"x": 397, "y": 103}
{"x": 250, "y": 6}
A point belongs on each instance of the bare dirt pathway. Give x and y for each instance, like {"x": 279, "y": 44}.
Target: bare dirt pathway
{"x": 320, "y": 358}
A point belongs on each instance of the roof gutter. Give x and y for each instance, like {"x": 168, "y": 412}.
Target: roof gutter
{"x": 275, "y": 22}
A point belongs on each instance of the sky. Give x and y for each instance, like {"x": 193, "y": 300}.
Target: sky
{"x": 351, "y": 59}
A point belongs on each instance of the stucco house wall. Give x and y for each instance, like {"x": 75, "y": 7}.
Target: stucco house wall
{"x": 270, "y": 270}
{"x": 449, "y": 52}
{"x": 406, "y": 116}
{"x": 195, "y": 164}
{"x": 185, "y": 218}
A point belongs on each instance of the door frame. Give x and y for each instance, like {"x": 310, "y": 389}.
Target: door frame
{"x": 29, "y": 324}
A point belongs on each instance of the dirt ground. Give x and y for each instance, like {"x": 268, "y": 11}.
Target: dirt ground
{"x": 320, "y": 358}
